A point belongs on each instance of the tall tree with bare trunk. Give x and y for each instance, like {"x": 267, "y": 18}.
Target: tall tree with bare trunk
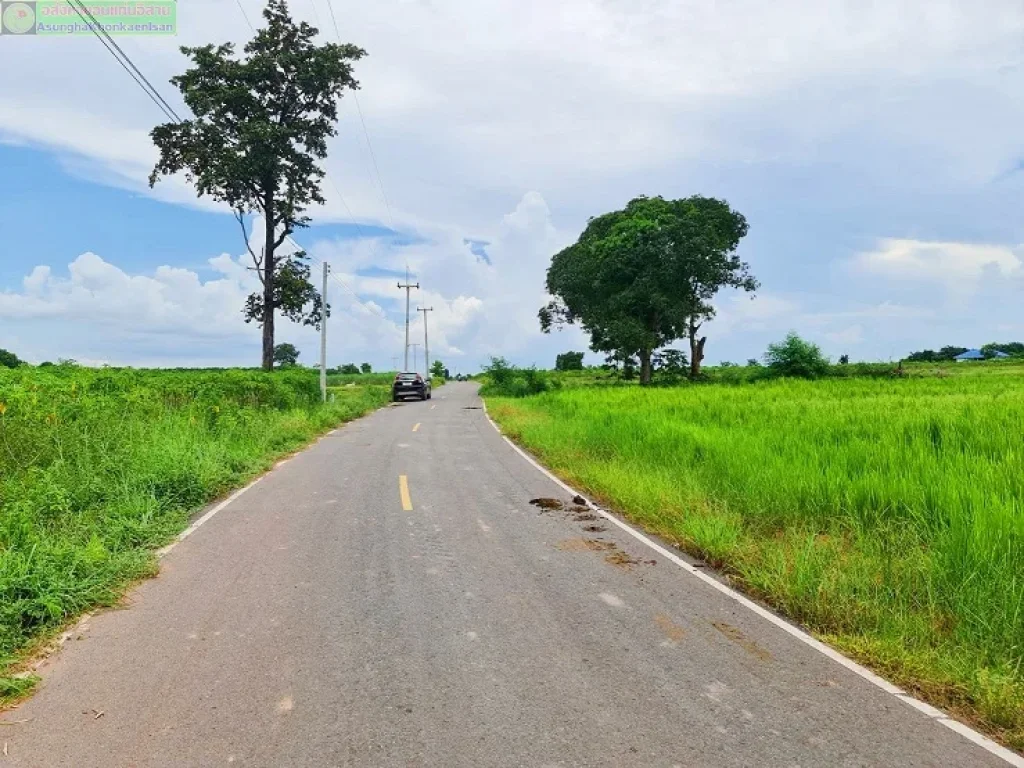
{"x": 261, "y": 126}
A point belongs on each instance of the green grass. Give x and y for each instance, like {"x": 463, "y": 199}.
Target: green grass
{"x": 360, "y": 379}
{"x": 384, "y": 378}
{"x": 887, "y": 515}
{"x": 100, "y": 467}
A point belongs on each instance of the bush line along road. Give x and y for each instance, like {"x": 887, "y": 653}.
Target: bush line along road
{"x": 390, "y": 596}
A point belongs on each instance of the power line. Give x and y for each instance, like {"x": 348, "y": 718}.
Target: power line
{"x": 98, "y": 28}
{"x": 366, "y": 133}
{"x": 245, "y": 15}
{"x": 124, "y": 59}
{"x": 327, "y": 174}
{"x": 345, "y": 286}
{"x": 373, "y": 157}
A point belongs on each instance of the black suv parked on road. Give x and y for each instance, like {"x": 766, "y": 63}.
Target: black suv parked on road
{"x": 410, "y": 385}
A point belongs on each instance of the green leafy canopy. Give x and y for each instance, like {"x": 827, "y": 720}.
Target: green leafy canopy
{"x": 640, "y": 278}
{"x": 260, "y": 127}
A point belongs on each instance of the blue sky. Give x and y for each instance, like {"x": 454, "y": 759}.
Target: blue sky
{"x": 875, "y": 152}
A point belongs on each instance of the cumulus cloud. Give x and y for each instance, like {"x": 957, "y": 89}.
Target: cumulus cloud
{"x": 959, "y": 267}
{"x": 602, "y": 90}
{"x": 480, "y": 308}
{"x": 171, "y": 300}
{"x": 470, "y": 105}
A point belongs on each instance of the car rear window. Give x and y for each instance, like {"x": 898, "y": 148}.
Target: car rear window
{"x": 407, "y": 376}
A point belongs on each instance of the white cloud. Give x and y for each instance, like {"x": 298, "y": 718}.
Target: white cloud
{"x": 959, "y": 267}
{"x": 471, "y": 103}
{"x": 479, "y": 308}
{"x": 853, "y": 334}
{"x": 171, "y": 300}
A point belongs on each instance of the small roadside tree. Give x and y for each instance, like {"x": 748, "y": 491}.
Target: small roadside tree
{"x": 261, "y": 125}
{"x": 640, "y": 278}
{"x": 796, "y": 357}
{"x": 437, "y": 369}
{"x": 366, "y": 368}
{"x": 350, "y": 368}
{"x": 286, "y": 355}
{"x": 569, "y": 361}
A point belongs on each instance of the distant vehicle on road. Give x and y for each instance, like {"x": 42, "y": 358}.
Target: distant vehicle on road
{"x": 410, "y": 385}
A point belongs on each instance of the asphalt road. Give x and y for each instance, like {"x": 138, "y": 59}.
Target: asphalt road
{"x": 316, "y": 622}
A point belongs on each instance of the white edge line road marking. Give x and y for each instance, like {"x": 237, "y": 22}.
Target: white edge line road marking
{"x": 192, "y": 528}
{"x": 968, "y": 733}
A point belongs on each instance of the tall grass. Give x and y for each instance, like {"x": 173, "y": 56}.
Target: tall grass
{"x": 99, "y": 467}
{"x": 886, "y": 514}
{"x": 360, "y": 379}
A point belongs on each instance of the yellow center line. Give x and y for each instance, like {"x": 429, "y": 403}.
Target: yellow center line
{"x": 416, "y": 428}
{"x": 403, "y": 490}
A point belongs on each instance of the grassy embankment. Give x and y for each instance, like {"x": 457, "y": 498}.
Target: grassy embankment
{"x": 887, "y": 515}
{"x": 98, "y": 468}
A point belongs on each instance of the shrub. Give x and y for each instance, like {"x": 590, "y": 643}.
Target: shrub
{"x": 505, "y": 379}
{"x": 569, "y": 361}
{"x": 670, "y": 365}
{"x": 797, "y": 358}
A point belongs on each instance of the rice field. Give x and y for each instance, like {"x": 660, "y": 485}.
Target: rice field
{"x": 886, "y": 515}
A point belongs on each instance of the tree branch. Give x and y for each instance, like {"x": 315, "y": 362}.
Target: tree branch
{"x": 239, "y": 217}
{"x": 284, "y": 236}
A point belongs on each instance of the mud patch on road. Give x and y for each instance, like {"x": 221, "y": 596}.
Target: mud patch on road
{"x": 669, "y": 628}
{"x": 584, "y": 545}
{"x": 742, "y": 640}
{"x": 547, "y": 504}
{"x": 620, "y": 559}
{"x": 594, "y": 528}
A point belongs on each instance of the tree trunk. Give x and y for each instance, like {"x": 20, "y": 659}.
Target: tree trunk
{"x": 645, "y": 367}
{"x": 268, "y": 286}
{"x": 696, "y": 349}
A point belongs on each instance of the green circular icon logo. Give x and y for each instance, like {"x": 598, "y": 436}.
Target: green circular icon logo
{"x": 19, "y": 18}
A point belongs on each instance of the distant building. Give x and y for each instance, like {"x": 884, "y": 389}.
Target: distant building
{"x": 975, "y": 354}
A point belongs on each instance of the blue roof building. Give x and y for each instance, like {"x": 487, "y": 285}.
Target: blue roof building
{"x": 975, "y": 354}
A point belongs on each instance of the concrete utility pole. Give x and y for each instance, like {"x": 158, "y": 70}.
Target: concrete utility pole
{"x": 395, "y": 360}
{"x": 414, "y": 368}
{"x": 408, "y": 287}
{"x": 323, "y": 338}
{"x": 426, "y": 341}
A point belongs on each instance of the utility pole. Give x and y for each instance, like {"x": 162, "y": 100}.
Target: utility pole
{"x": 408, "y": 287}
{"x": 426, "y": 341}
{"x": 414, "y": 368}
{"x": 395, "y": 360}
{"x": 323, "y": 338}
